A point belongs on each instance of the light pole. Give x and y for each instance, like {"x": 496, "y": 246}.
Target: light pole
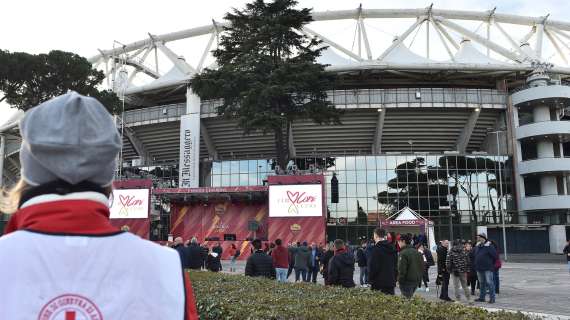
{"x": 500, "y": 193}
{"x": 449, "y": 199}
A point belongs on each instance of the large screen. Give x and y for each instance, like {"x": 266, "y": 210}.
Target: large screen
{"x": 300, "y": 200}
{"x": 130, "y": 204}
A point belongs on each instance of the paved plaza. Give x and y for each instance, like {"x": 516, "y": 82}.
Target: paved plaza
{"x": 531, "y": 287}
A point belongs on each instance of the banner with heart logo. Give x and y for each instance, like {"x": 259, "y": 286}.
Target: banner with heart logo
{"x": 130, "y": 204}
{"x": 302, "y": 200}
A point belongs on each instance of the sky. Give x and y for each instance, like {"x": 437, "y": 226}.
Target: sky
{"x": 38, "y": 26}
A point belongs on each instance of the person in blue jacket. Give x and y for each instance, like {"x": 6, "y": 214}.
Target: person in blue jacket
{"x": 485, "y": 258}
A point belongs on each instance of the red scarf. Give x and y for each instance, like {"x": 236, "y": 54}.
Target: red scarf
{"x": 339, "y": 251}
{"x": 66, "y": 217}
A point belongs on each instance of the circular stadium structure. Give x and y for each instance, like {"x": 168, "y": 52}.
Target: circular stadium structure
{"x": 461, "y": 116}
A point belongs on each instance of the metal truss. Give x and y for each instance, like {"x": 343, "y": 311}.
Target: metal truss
{"x": 449, "y": 25}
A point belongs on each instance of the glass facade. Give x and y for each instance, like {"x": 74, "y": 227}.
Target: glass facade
{"x": 374, "y": 187}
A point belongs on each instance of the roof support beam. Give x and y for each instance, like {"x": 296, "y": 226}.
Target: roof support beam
{"x": 539, "y": 35}
{"x": 528, "y": 35}
{"x": 365, "y": 37}
{"x": 141, "y": 67}
{"x": 142, "y": 60}
{"x": 556, "y": 46}
{"x": 377, "y": 144}
{"x": 174, "y": 58}
{"x": 442, "y": 30}
{"x": 208, "y": 141}
{"x": 463, "y": 139}
{"x": 309, "y": 32}
{"x": 512, "y": 42}
{"x": 137, "y": 144}
{"x": 440, "y": 34}
{"x": 555, "y": 35}
{"x": 206, "y": 51}
{"x": 402, "y": 37}
{"x": 475, "y": 37}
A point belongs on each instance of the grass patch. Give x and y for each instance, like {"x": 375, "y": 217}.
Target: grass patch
{"x": 224, "y": 296}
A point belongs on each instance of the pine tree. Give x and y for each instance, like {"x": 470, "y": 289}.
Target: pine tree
{"x": 268, "y": 76}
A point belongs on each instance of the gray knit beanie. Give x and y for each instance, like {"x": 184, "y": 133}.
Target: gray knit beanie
{"x": 70, "y": 137}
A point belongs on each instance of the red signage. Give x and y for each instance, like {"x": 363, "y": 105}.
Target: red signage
{"x": 211, "y": 190}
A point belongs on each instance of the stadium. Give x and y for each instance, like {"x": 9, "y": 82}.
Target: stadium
{"x": 461, "y": 118}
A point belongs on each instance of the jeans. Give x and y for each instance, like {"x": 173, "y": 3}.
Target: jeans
{"x": 496, "y": 279}
{"x": 363, "y": 275}
{"x": 444, "y": 286}
{"x": 487, "y": 282}
{"x": 408, "y": 291}
{"x": 281, "y": 274}
{"x": 425, "y": 277}
{"x": 457, "y": 279}
{"x": 302, "y": 273}
{"x": 233, "y": 264}
{"x": 312, "y": 274}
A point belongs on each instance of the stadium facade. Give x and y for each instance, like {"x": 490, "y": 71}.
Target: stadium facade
{"x": 478, "y": 141}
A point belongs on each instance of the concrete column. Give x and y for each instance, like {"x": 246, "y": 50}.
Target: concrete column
{"x": 189, "y": 164}
{"x": 548, "y": 185}
{"x": 541, "y": 113}
{"x": 557, "y": 237}
{"x": 545, "y": 149}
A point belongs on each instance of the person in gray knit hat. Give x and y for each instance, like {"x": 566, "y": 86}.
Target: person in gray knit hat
{"x": 60, "y": 242}
{"x": 72, "y": 138}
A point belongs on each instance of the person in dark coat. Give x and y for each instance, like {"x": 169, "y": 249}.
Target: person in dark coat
{"x": 427, "y": 257}
{"x": 485, "y": 258}
{"x": 442, "y": 271}
{"x": 302, "y": 258}
{"x": 472, "y": 276}
{"x": 314, "y": 263}
{"x": 259, "y": 264}
{"x": 382, "y": 264}
{"x": 410, "y": 267}
{"x": 195, "y": 255}
{"x": 362, "y": 264}
{"x": 213, "y": 262}
{"x": 341, "y": 266}
{"x": 182, "y": 251}
{"x": 458, "y": 265}
{"x": 205, "y": 251}
{"x": 327, "y": 256}
{"x": 292, "y": 253}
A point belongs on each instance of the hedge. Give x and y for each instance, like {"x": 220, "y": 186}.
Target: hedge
{"x": 224, "y": 296}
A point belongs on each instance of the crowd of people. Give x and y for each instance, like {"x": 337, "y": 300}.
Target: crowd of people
{"x": 385, "y": 261}
{"x": 470, "y": 266}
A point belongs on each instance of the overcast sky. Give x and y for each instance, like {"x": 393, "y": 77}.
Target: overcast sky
{"x": 82, "y": 27}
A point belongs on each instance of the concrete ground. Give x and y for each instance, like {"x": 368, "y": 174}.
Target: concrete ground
{"x": 530, "y": 287}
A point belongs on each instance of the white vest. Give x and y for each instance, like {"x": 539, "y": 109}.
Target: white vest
{"x": 52, "y": 277}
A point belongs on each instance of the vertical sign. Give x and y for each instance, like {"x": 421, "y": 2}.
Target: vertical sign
{"x": 190, "y": 143}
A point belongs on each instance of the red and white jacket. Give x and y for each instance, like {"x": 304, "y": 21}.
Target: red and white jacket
{"x": 62, "y": 260}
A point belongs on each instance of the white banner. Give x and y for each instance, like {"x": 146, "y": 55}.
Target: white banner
{"x": 301, "y": 200}
{"x": 189, "y": 151}
{"x": 130, "y": 204}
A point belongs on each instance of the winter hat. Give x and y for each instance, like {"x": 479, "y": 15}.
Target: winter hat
{"x": 71, "y": 138}
{"x": 483, "y": 235}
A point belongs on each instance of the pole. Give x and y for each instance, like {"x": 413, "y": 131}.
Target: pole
{"x": 448, "y": 200}
{"x": 501, "y": 198}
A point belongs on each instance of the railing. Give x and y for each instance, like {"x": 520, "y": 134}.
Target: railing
{"x": 158, "y": 113}
{"x": 360, "y": 98}
{"x": 373, "y": 98}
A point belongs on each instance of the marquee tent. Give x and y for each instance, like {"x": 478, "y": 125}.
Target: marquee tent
{"x": 409, "y": 221}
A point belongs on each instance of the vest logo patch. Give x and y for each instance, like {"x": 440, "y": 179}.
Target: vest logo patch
{"x": 70, "y": 307}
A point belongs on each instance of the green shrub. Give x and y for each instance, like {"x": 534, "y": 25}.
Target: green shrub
{"x": 223, "y": 296}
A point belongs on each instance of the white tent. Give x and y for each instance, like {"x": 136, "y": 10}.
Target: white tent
{"x": 409, "y": 221}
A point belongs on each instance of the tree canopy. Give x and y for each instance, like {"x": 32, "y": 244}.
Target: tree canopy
{"x": 268, "y": 76}
{"x": 27, "y": 80}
